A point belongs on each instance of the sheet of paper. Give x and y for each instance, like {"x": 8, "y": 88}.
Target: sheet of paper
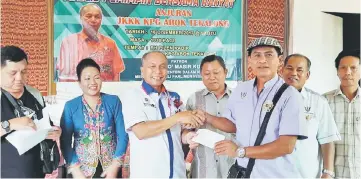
{"x": 55, "y": 112}
{"x": 208, "y": 138}
{"x": 24, "y": 140}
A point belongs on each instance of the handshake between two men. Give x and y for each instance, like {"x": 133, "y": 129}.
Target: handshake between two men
{"x": 191, "y": 119}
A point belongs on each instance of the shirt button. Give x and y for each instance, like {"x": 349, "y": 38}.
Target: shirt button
{"x": 219, "y": 113}
{"x": 217, "y": 101}
{"x": 216, "y": 160}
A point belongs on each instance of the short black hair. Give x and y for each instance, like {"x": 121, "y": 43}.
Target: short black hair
{"x": 86, "y": 62}
{"x": 278, "y": 50}
{"x": 345, "y": 53}
{"x": 298, "y": 55}
{"x": 12, "y": 53}
{"x": 211, "y": 58}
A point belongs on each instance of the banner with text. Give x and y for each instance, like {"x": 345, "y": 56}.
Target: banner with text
{"x": 116, "y": 33}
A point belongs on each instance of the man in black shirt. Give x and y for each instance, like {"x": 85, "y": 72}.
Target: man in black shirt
{"x": 13, "y": 70}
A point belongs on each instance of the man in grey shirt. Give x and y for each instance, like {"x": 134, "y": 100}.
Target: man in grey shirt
{"x": 213, "y": 99}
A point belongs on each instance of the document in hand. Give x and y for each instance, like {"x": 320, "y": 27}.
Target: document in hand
{"x": 55, "y": 112}
{"x": 207, "y": 138}
{"x": 24, "y": 140}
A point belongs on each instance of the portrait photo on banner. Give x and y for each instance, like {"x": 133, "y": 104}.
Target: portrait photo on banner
{"x": 116, "y": 33}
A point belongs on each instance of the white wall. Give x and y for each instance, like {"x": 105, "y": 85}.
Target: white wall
{"x": 343, "y": 6}
{"x": 319, "y": 36}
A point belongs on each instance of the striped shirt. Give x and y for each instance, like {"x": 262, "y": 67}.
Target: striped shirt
{"x": 206, "y": 164}
{"x": 347, "y": 117}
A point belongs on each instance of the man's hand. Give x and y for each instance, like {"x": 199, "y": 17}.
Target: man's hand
{"x": 226, "y": 147}
{"x": 54, "y": 134}
{"x": 188, "y": 140}
{"x": 200, "y": 114}
{"x": 190, "y": 118}
{"x": 21, "y": 123}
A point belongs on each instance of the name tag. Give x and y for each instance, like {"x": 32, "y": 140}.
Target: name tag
{"x": 309, "y": 115}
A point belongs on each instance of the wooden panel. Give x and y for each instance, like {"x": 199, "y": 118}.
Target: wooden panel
{"x": 265, "y": 18}
{"x": 26, "y": 24}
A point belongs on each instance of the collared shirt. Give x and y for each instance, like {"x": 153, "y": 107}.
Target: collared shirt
{"x": 98, "y": 135}
{"x": 322, "y": 129}
{"x": 78, "y": 46}
{"x": 246, "y": 109}
{"x": 347, "y": 116}
{"x": 150, "y": 157}
{"x": 206, "y": 164}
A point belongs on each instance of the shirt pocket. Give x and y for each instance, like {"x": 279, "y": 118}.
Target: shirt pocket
{"x": 340, "y": 122}
{"x": 310, "y": 116}
{"x": 312, "y": 123}
{"x": 356, "y": 121}
{"x": 274, "y": 125}
{"x": 241, "y": 109}
{"x": 150, "y": 111}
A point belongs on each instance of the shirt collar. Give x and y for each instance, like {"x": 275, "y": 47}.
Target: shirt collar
{"x": 85, "y": 103}
{"x": 227, "y": 91}
{"x": 149, "y": 89}
{"x": 339, "y": 92}
{"x": 268, "y": 83}
{"x": 304, "y": 93}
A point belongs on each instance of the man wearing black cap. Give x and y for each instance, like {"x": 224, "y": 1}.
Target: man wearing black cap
{"x": 247, "y": 107}
{"x": 345, "y": 104}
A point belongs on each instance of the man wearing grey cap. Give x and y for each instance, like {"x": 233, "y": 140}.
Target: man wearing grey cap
{"x": 247, "y": 107}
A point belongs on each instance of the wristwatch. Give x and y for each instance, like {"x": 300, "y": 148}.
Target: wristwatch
{"x": 328, "y": 172}
{"x": 6, "y": 126}
{"x": 241, "y": 152}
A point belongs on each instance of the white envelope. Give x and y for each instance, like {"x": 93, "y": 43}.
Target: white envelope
{"x": 24, "y": 140}
{"x": 208, "y": 138}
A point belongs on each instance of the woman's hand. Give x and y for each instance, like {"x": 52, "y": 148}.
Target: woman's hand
{"x": 76, "y": 172}
{"x": 112, "y": 170}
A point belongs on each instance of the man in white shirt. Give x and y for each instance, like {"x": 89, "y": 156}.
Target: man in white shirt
{"x": 322, "y": 129}
{"x": 153, "y": 118}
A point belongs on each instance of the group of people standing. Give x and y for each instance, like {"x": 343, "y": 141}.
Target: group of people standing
{"x": 308, "y": 135}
